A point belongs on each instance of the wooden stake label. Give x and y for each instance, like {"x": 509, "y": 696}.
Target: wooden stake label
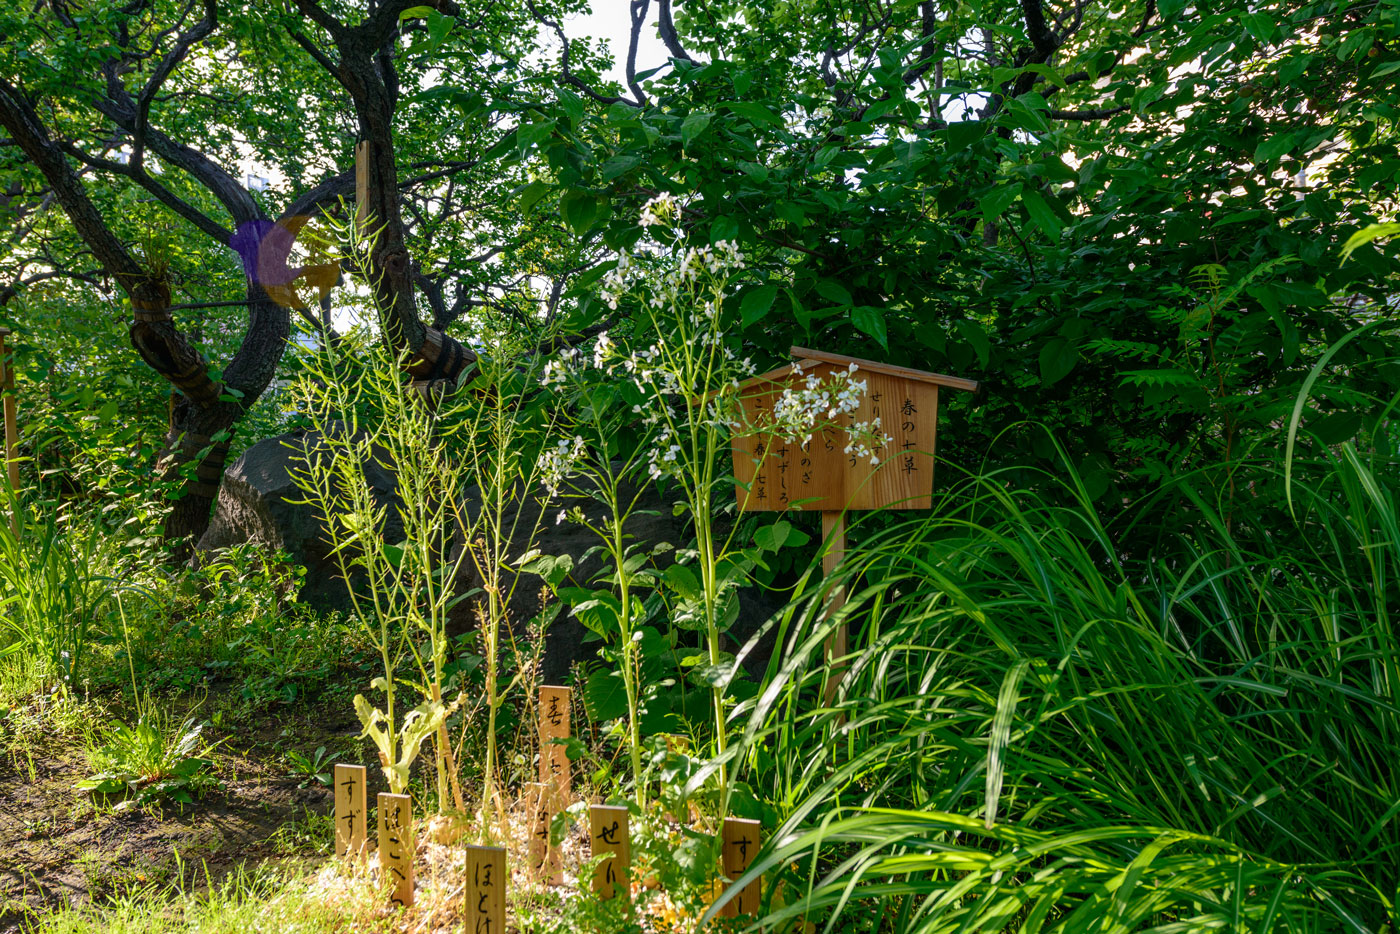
{"x": 554, "y": 724}
{"x": 396, "y": 845}
{"x": 486, "y": 890}
{"x": 608, "y": 834}
{"x": 739, "y": 841}
{"x": 351, "y": 834}
{"x": 540, "y": 808}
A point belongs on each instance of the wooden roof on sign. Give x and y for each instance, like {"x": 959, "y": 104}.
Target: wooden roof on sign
{"x": 804, "y": 354}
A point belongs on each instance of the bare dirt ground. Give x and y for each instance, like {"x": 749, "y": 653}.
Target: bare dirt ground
{"x": 58, "y": 846}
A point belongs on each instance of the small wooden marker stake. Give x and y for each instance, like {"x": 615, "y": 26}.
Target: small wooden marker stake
{"x": 540, "y": 810}
{"x": 351, "y": 833}
{"x": 739, "y": 841}
{"x": 608, "y": 834}
{"x": 486, "y": 890}
{"x": 396, "y": 845}
{"x": 554, "y": 759}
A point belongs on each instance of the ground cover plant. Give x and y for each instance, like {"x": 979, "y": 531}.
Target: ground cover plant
{"x": 381, "y": 369}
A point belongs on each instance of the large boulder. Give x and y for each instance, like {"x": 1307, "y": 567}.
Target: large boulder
{"x": 260, "y": 502}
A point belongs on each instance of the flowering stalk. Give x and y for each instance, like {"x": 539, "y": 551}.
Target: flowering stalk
{"x": 690, "y": 379}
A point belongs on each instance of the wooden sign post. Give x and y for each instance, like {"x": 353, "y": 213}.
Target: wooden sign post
{"x": 362, "y": 224}
{"x": 351, "y": 834}
{"x": 543, "y": 859}
{"x": 554, "y": 759}
{"x": 486, "y": 890}
{"x": 608, "y": 834}
{"x": 739, "y": 841}
{"x": 396, "y": 845}
{"x": 821, "y": 475}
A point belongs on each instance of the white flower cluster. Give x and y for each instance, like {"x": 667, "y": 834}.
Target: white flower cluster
{"x": 556, "y": 464}
{"x": 801, "y": 410}
{"x": 694, "y": 263}
{"x": 660, "y": 211}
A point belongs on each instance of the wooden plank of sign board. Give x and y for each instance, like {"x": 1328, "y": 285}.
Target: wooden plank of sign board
{"x": 351, "y": 832}
{"x": 775, "y": 474}
{"x": 396, "y": 846}
{"x": 608, "y": 835}
{"x": 554, "y": 724}
{"x": 739, "y": 840}
{"x": 486, "y": 890}
{"x": 902, "y": 476}
{"x": 542, "y": 858}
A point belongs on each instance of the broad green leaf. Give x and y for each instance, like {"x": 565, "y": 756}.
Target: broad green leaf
{"x": 998, "y": 200}
{"x": 756, "y": 113}
{"x": 1041, "y": 214}
{"x": 871, "y": 320}
{"x": 756, "y": 303}
{"x": 1057, "y": 359}
{"x": 693, "y": 126}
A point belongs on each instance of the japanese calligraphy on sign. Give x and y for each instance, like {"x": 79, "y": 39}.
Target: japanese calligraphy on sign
{"x": 485, "y": 907}
{"x": 351, "y": 834}
{"x": 739, "y": 841}
{"x": 396, "y": 846}
{"x": 554, "y": 724}
{"x": 608, "y": 834}
{"x": 540, "y": 808}
{"x": 819, "y": 473}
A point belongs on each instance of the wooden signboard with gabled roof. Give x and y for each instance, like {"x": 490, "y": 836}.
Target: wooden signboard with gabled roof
{"x": 821, "y": 474}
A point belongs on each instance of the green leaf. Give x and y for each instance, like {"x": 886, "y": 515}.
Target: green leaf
{"x": 1275, "y": 146}
{"x": 871, "y": 321}
{"x": 417, "y": 12}
{"x": 964, "y": 133}
{"x": 833, "y": 292}
{"x": 755, "y": 113}
{"x": 998, "y": 200}
{"x": 439, "y": 26}
{"x": 1365, "y": 235}
{"x": 1041, "y": 215}
{"x": 1057, "y": 359}
{"x": 693, "y": 126}
{"x": 579, "y": 210}
{"x": 683, "y": 581}
{"x": 756, "y": 303}
{"x": 605, "y": 694}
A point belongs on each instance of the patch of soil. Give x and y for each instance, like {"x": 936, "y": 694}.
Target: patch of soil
{"x": 57, "y": 848}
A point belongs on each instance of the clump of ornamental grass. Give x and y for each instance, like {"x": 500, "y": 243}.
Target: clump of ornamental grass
{"x": 1037, "y": 730}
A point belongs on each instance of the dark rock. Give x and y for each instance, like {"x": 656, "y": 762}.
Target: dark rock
{"x": 260, "y": 502}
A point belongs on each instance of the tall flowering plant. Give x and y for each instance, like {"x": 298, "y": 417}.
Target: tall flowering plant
{"x": 688, "y": 378}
